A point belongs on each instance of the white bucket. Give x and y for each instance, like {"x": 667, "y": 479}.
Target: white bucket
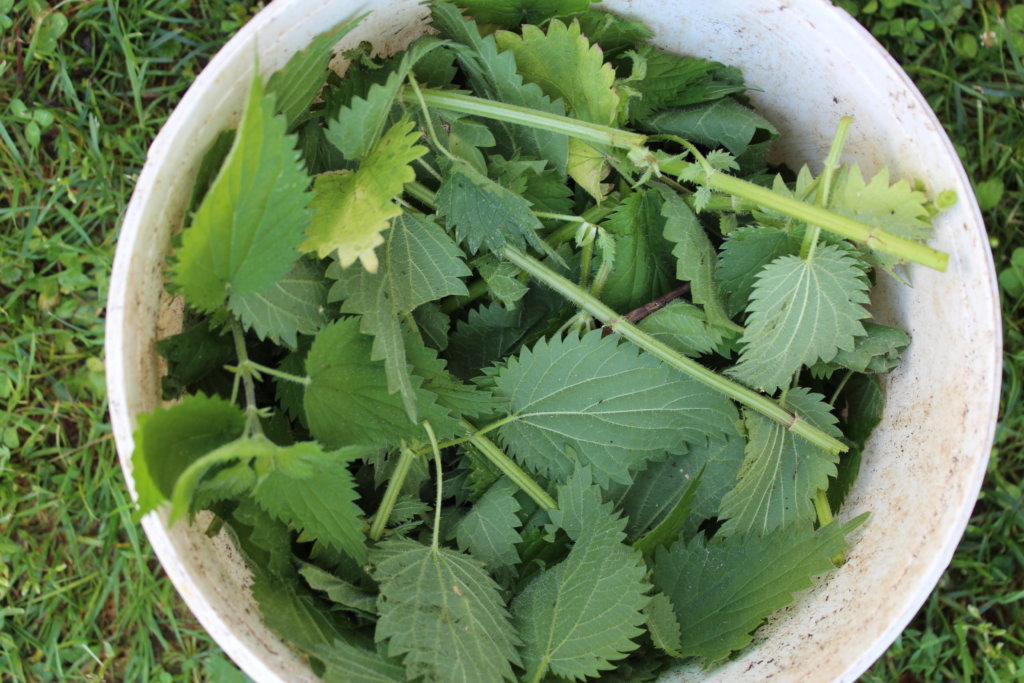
{"x": 810, "y": 64}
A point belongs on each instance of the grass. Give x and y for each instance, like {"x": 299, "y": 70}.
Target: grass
{"x": 84, "y": 88}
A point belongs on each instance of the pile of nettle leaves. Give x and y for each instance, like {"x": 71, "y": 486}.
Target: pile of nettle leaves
{"x": 467, "y": 331}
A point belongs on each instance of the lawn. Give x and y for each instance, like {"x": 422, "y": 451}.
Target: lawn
{"x": 84, "y": 88}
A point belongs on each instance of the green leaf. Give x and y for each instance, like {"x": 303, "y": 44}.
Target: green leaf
{"x": 244, "y": 235}
{"x": 685, "y": 328}
{"x": 585, "y": 612}
{"x": 717, "y": 610}
{"x": 862, "y": 405}
{"x": 353, "y": 208}
{"x": 781, "y": 472}
{"x": 290, "y": 610}
{"x": 801, "y": 311}
{"x": 644, "y": 268}
{"x": 744, "y": 253}
{"x": 513, "y": 13}
{"x": 349, "y": 597}
{"x": 722, "y": 123}
{"x": 611, "y": 31}
{"x": 663, "y": 625}
{"x": 347, "y": 401}
{"x": 291, "y": 306}
{"x": 671, "y": 526}
{"x": 485, "y": 213}
{"x": 348, "y": 663}
{"x": 616, "y": 407}
{"x": 442, "y": 614}
{"x": 488, "y": 530}
{"x": 493, "y": 75}
{"x": 878, "y": 351}
{"x": 195, "y": 359}
{"x": 287, "y": 393}
{"x": 565, "y": 66}
{"x": 295, "y": 85}
{"x": 669, "y": 80}
{"x": 695, "y": 257}
{"x": 358, "y": 127}
{"x": 419, "y": 264}
{"x": 897, "y": 208}
{"x": 502, "y": 280}
{"x": 314, "y": 492}
{"x": 169, "y": 440}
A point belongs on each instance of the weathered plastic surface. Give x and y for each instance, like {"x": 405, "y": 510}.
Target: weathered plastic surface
{"x": 811, "y": 64}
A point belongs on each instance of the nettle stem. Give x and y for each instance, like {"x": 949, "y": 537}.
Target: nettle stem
{"x": 509, "y": 468}
{"x": 245, "y": 371}
{"x": 872, "y": 236}
{"x": 617, "y": 323}
{"x": 380, "y": 520}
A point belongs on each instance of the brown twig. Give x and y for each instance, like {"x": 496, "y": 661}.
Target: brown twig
{"x": 641, "y": 312}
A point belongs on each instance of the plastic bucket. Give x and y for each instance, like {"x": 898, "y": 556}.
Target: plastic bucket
{"x": 809, "y": 64}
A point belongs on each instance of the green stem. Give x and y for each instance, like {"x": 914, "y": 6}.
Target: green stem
{"x": 509, "y": 468}
{"x": 252, "y": 415}
{"x": 749, "y": 398}
{"x": 872, "y": 236}
{"x": 439, "y": 475}
{"x": 387, "y": 503}
{"x": 480, "y": 432}
{"x": 467, "y": 104}
{"x": 825, "y": 187}
{"x": 261, "y": 369}
{"x": 418, "y": 99}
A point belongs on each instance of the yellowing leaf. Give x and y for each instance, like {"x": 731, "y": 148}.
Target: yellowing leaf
{"x": 565, "y": 65}
{"x": 353, "y": 208}
{"x": 587, "y": 167}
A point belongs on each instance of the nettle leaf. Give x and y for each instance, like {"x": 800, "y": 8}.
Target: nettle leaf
{"x": 615, "y": 407}
{"x": 744, "y": 253}
{"x": 358, "y": 127}
{"x": 354, "y": 208}
{"x": 718, "y": 610}
{"x": 685, "y": 328}
{"x": 663, "y": 625}
{"x": 314, "y": 492}
{"x": 459, "y": 398}
{"x": 503, "y": 280}
{"x": 488, "y": 333}
{"x": 442, "y": 614}
{"x": 348, "y": 402}
{"x": 668, "y": 78}
{"x": 781, "y": 472}
{"x": 585, "y": 612}
{"x": 244, "y": 235}
{"x": 611, "y": 31}
{"x": 878, "y": 351}
{"x": 896, "y": 208}
{"x": 420, "y": 263}
{"x": 513, "y": 13}
{"x": 644, "y": 268}
{"x": 295, "y": 85}
{"x": 291, "y": 306}
{"x": 484, "y": 213}
{"x": 493, "y": 75}
{"x": 801, "y": 311}
{"x": 695, "y": 257}
{"x": 655, "y": 491}
{"x": 565, "y": 66}
{"x": 588, "y": 167}
{"x": 349, "y": 663}
{"x": 169, "y": 440}
{"x": 722, "y": 123}
{"x": 488, "y": 530}
{"x": 347, "y": 596}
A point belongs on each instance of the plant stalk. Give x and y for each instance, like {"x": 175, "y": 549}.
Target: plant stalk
{"x": 617, "y": 323}
{"x": 387, "y": 503}
{"x": 509, "y": 468}
{"x": 872, "y": 236}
